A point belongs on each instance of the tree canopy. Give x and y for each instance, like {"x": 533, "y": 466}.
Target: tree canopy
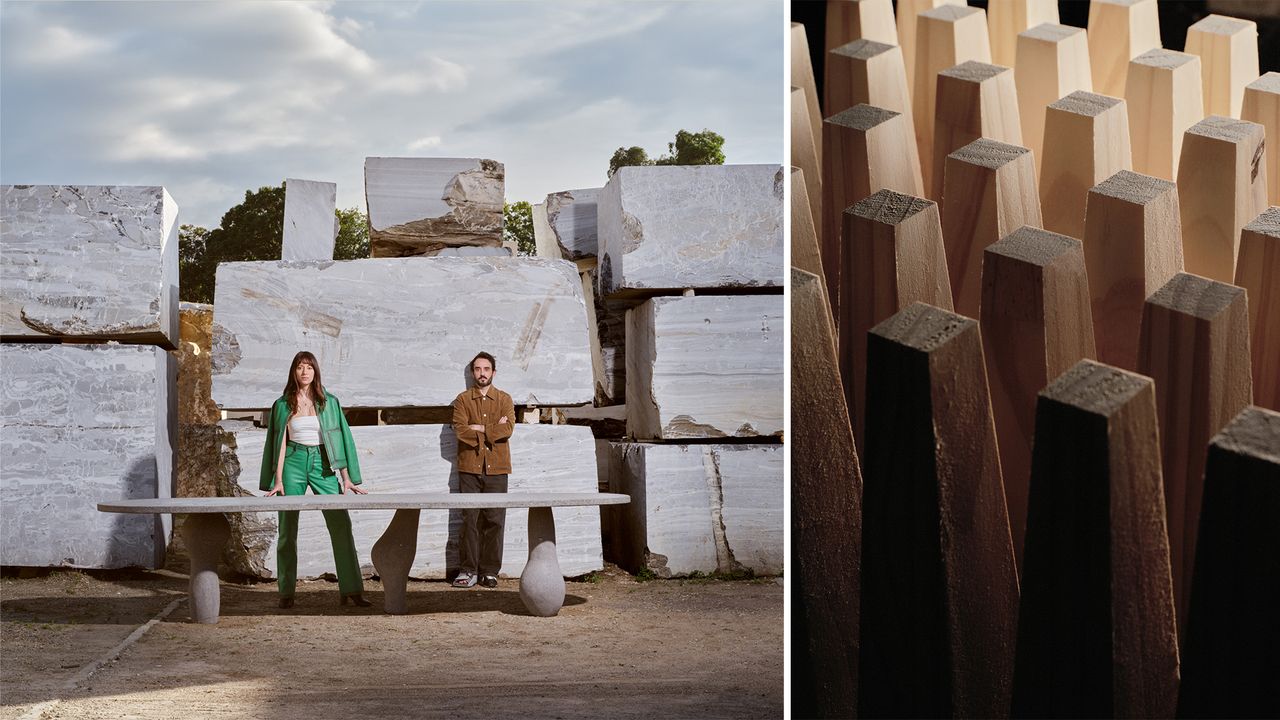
{"x": 701, "y": 148}
{"x": 517, "y": 226}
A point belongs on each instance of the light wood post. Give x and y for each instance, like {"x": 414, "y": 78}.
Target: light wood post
{"x": 1132, "y": 247}
{"x": 1228, "y": 50}
{"x": 804, "y": 152}
{"x": 990, "y": 191}
{"x": 1096, "y": 626}
{"x": 1195, "y": 345}
{"x": 849, "y": 20}
{"x": 894, "y": 256}
{"x": 937, "y": 560}
{"x": 865, "y": 71}
{"x": 1165, "y": 99}
{"x": 907, "y": 15}
{"x": 1222, "y": 185}
{"x": 975, "y": 100}
{"x": 1090, "y": 144}
{"x": 1258, "y": 272}
{"x": 1035, "y": 325}
{"x": 826, "y": 511}
{"x": 1119, "y": 31}
{"x": 1007, "y": 18}
{"x": 802, "y": 77}
{"x": 869, "y": 148}
{"x": 1262, "y": 105}
{"x": 947, "y": 37}
{"x": 805, "y": 252}
{"x": 1229, "y": 663}
{"x": 1053, "y": 61}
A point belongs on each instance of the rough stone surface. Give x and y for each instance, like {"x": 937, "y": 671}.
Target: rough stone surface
{"x": 705, "y": 367}
{"x": 699, "y": 508}
{"x": 611, "y": 339}
{"x": 420, "y": 458}
{"x": 419, "y": 205}
{"x": 572, "y": 217}
{"x": 83, "y": 424}
{"x": 400, "y": 332}
{"x": 88, "y": 262}
{"x": 195, "y": 403}
{"x": 674, "y": 227}
{"x": 310, "y": 226}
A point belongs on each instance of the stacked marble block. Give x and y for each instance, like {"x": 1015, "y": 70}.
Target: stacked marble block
{"x": 88, "y": 314}
{"x": 696, "y": 255}
{"x": 395, "y": 334}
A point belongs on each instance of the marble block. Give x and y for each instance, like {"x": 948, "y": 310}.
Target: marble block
{"x": 699, "y": 508}
{"x": 310, "y": 226}
{"x": 400, "y": 332}
{"x": 572, "y": 217}
{"x": 544, "y": 239}
{"x": 706, "y": 366}
{"x": 499, "y": 251}
{"x": 195, "y": 404}
{"x": 608, "y": 343}
{"x": 89, "y": 262}
{"x": 700, "y": 226}
{"x": 419, "y": 205}
{"x": 419, "y": 459}
{"x": 82, "y": 424}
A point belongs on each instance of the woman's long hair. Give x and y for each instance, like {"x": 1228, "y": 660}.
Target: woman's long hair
{"x": 291, "y": 387}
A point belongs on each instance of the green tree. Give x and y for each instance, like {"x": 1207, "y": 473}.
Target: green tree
{"x": 352, "y": 242}
{"x": 628, "y": 157}
{"x": 517, "y": 226}
{"x": 701, "y": 148}
{"x": 195, "y": 272}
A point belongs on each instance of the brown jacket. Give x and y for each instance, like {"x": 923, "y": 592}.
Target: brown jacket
{"x": 488, "y": 453}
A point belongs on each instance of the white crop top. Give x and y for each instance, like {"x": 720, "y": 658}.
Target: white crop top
{"x": 305, "y": 430}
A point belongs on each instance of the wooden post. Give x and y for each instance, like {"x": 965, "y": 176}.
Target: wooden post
{"x": 1228, "y": 49}
{"x": 1222, "y": 184}
{"x": 802, "y": 77}
{"x": 948, "y": 36}
{"x": 1258, "y": 272}
{"x": 1262, "y": 105}
{"x": 894, "y": 256}
{"x": 1035, "y": 325}
{"x": 1164, "y": 95}
{"x": 1090, "y": 144}
{"x": 804, "y": 152}
{"x": 975, "y": 100}
{"x": 826, "y": 511}
{"x": 849, "y": 20}
{"x": 1053, "y": 61}
{"x": 1132, "y": 247}
{"x": 1195, "y": 345}
{"x": 1007, "y": 18}
{"x": 908, "y": 20}
{"x": 866, "y": 71}
{"x": 1119, "y": 31}
{"x": 805, "y": 253}
{"x": 1096, "y": 627}
{"x": 1229, "y": 665}
{"x": 869, "y": 148}
{"x": 939, "y": 588}
{"x": 990, "y": 191}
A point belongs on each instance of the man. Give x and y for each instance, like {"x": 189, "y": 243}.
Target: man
{"x": 482, "y": 420}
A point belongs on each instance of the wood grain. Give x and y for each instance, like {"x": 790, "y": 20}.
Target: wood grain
{"x": 975, "y": 100}
{"x": 908, "y": 12}
{"x": 1222, "y": 185}
{"x": 1119, "y": 31}
{"x": 1258, "y": 272}
{"x": 1053, "y": 61}
{"x": 1165, "y": 99}
{"x": 804, "y": 153}
{"x": 802, "y": 77}
{"x": 1090, "y": 144}
{"x": 1262, "y": 105}
{"x": 1228, "y": 50}
{"x": 866, "y": 71}
{"x": 1007, "y": 18}
{"x": 849, "y": 20}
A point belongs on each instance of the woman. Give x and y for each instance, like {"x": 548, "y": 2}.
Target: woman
{"x": 308, "y": 439}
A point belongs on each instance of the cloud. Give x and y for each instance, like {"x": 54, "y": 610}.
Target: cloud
{"x": 425, "y": 143}
{"x": 58, "y": 45}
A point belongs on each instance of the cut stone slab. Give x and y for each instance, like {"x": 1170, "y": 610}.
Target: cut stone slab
{"x": 544, "y": 240}
{"x": 707, "y": 366}
{"x": 195, "y": 402}
{"x": 572, "y": 217}
{"x": 673, "y": 227}
{"x": 83, "y": 424}
{"x": 310, "y": 225}
{"x": 421, "y": 459}
{"x": 420, "y": 205}
{"x": 400, "y": 332}
{"x": 699, "y": 508}
{"x": 88, "y": 262}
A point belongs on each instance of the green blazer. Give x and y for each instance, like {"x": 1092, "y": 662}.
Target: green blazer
{"x": 335, "y": 436}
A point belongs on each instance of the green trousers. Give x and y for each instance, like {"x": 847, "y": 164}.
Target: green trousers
{"x": 303, "y": 467}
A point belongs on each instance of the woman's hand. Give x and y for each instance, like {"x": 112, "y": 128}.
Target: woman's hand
{"x": 348, "y": 486}
{"x": 277, "y": 490}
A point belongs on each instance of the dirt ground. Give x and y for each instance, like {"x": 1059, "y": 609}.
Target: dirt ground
{"x": 619, "y": 649}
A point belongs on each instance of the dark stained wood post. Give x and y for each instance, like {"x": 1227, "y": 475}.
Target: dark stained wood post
{"x": 1258, "y": 272}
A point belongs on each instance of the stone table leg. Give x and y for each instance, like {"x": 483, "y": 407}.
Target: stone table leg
{"x": 541, "y": 584}
{"x": 205, "y": 534}
{"x": 393, "y": 557}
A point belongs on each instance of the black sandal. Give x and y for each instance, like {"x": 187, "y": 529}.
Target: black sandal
{"x": 357, "y": 599}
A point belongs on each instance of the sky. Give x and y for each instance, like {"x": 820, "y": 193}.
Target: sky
{"x": 211, "y": 99}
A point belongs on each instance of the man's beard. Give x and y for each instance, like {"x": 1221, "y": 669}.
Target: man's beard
{"x": 483, "y": 381}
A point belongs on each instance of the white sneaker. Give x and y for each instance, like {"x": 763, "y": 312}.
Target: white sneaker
{"x": 465, "y": 580}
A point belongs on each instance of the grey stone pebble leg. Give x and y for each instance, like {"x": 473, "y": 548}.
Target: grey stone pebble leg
{"x": 393, "y": 557}
{"x": 541, "y": 584}
{"x": 205, "y": 534}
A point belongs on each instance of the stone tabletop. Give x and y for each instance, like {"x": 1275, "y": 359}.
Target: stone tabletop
{"x": 372, "y": 501}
